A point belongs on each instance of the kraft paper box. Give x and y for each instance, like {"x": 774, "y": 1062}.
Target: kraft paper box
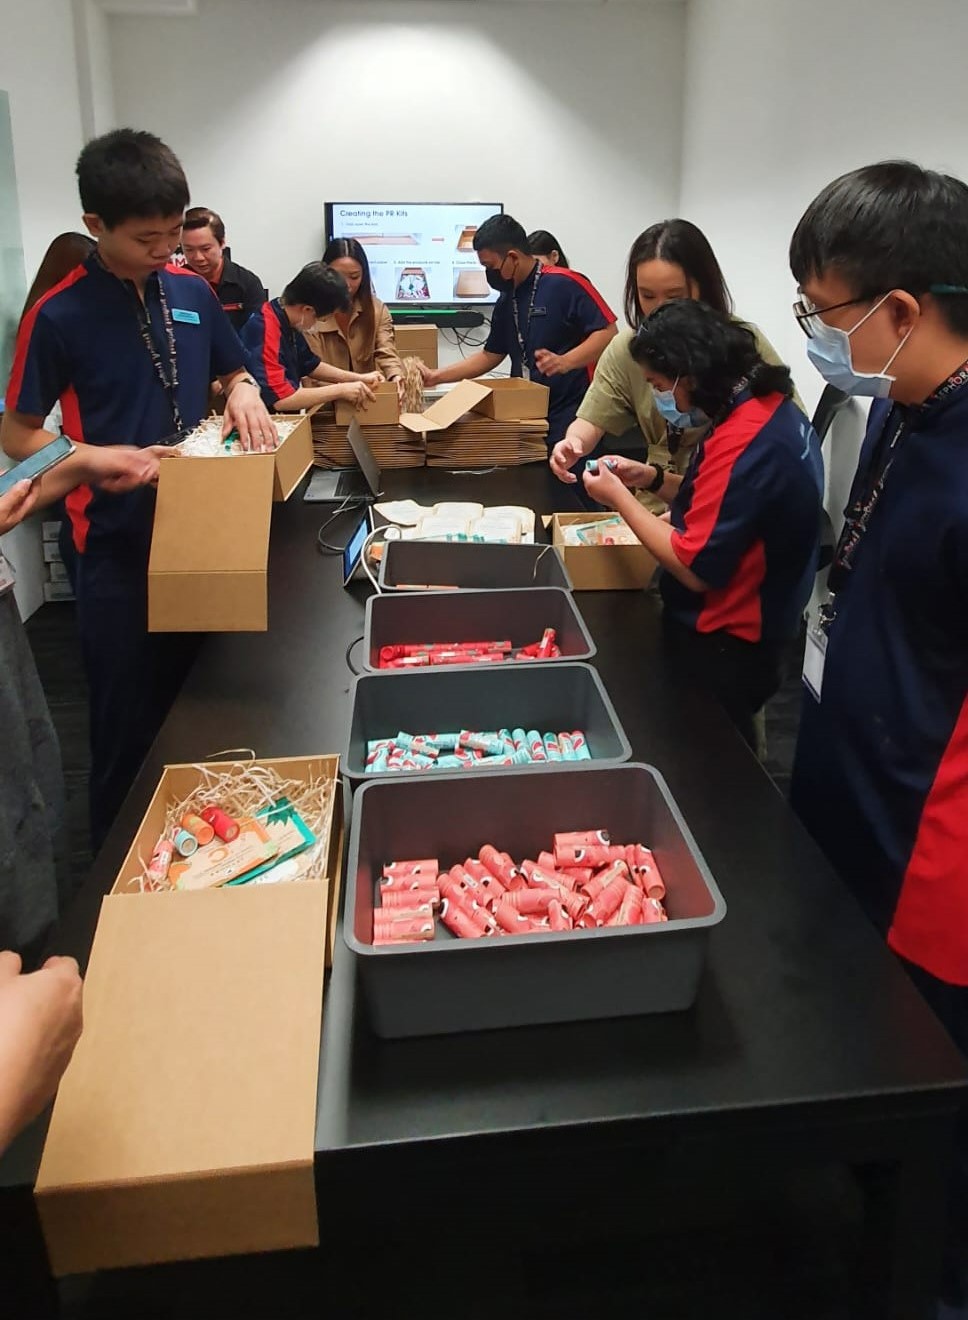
{"x": 513, "y": 400}
{"x": 447, "y": 410}
{"x": 185, "y": 1124}
{"x": 383, "y": 411}
{"x": 207, "y": 571}
{"x": 601, "y": 567}
{"x": 417, "y": 341}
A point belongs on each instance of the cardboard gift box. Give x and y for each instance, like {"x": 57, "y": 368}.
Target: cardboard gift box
{"x": 207, "y": 571}
{"x": 512, "y": 399}
{"x": 383, "y": 411}
{"x": 185, "y": 1124}
{"x": 601, "y": 567}
{"x": 417, "y": 341}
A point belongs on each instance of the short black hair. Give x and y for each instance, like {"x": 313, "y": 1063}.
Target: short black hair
{"x": 501, "y": 233}
{"x": 690, "y": 338}
{"x": 888, "y": 226}
{"x": 203, "y": 217}
{"x": 683, "y": 244}
{"x": 129, "y": 174}
{"x": 319, "y": 287}
{"x": 542, "y": 243}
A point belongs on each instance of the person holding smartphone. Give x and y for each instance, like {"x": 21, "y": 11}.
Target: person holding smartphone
{"x": 33, "y": 880}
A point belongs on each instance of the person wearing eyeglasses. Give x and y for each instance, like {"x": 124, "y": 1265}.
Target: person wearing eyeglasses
{"x": 670, "y": 260}
{"x": 880, "y": 775}
{"x": 738, "y": 546}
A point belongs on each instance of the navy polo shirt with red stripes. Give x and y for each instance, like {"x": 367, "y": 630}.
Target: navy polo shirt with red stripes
{"x": 747, "y": 521}
{"x": 567, "y": 309}
{"x": 276, "y": 354}
{"x": 880, "y": 776}
{"x": 81, "y": 345}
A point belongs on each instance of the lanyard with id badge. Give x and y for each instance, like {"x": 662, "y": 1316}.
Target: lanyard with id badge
{"x": 526, "y": 366}
{"x": 856, "y": 522}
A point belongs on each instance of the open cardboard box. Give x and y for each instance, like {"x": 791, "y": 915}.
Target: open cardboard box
{"x": 417, "y": 341}
{"x": 601, "y": 567}
{"x": 512, "y": 399}
{"x": 383, "y": 411}
{"x": 447, "y": 410}
{"x": 207, "y": 571}
{"x": 185, "y": 1124}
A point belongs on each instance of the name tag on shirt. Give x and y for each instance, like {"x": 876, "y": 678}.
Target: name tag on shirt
{"x": 814, "y": 659}
{"x": 189, "y": 318}
{"x": 8, "y": 577}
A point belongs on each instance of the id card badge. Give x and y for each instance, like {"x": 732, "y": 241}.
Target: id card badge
{"x": 814, "y": 659}
{"x": 8, "y": 578}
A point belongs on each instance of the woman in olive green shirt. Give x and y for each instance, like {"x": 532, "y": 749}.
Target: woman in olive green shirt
{"x": 671, "y": 260}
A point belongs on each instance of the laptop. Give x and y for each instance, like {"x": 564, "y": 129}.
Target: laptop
{"x": 348, "y": 484}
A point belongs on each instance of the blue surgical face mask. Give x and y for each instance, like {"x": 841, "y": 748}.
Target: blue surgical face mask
{"x": 829, "y": 351}
{"x": 669, "y": 410}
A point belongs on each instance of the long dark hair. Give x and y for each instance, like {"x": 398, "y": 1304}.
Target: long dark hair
{"x": 683, "y": 244}
{"x": 542, "y": 243}
{"x": 64, "y": 253}
{"x": 687, "y": 338}
{"x": 354, "y": 250}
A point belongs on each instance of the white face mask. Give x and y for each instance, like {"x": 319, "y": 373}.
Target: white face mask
{"x": 829, "y": 351}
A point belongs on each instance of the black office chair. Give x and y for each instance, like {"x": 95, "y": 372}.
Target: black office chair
{"x": 832, "y": 401}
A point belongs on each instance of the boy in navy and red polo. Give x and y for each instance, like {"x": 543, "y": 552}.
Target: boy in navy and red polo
{"x": 276, "y": 353}
{"x": 129, "y": 349}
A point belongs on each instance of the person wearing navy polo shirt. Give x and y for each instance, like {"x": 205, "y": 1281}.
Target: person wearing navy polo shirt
{"x": 880, "y": 774}
{"x": 552, "y": 323}
{"x": 279, "y": 356}
{"x": 739, "y": 544}
{"x": 128, "y": 348}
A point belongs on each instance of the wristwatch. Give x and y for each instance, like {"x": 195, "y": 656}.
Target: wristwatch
{"x": 659, "y": 480}
{"x": 246, "y": 380}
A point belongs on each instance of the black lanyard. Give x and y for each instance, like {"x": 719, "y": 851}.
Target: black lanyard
{"x": 522, "y": 338}
{"x": 858, "y": 516}
{"x": 167, "y": 372}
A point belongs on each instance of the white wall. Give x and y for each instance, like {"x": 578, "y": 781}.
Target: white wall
{"x": 781, "y": 97}
{"x": 37, "y": 68}
{"x": 569, "y": 114}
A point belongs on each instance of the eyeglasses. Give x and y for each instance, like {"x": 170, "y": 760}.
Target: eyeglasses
{"x": 804, "y": 311}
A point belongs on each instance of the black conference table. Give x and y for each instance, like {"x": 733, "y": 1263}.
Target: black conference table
{"x": 807, "y": 1043}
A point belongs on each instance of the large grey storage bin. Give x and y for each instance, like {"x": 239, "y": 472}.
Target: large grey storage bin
{"x": 453, "y": 985}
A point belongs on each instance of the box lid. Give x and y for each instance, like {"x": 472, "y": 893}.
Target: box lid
{"x": 455, "y": 403}
{"x": 184, "y": 1126}
{"x": 213, "y": 514}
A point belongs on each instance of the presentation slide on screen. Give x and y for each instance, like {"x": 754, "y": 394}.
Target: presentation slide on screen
{"x": 419, "y": 253}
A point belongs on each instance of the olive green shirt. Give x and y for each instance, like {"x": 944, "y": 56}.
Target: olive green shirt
{"x": 620, "y": 396}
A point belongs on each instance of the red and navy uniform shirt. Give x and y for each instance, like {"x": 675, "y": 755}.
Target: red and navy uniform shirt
{"x": 881, "y": 769}
{"x": 747, "y": 522}
{"x": 81, "y": 344}
{"x": 277, "y": 355}
{"x": 567, "y": 309}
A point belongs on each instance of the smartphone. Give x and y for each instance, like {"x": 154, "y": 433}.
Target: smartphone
{"x": 37, "y": 464}
{"x": 353, "y": 554}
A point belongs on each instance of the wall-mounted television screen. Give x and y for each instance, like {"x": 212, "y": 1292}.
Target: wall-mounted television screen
{"x": 420, "y": 253}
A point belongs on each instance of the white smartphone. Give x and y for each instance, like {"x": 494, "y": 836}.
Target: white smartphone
{"x": 37, "y": 464}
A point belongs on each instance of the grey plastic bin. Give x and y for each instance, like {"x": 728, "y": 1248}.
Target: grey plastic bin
{"x": 466, "y": 566}
{"x": 519, "y": 617}
{"x": 549, "y": 698}
{"x": 453, "y": 985}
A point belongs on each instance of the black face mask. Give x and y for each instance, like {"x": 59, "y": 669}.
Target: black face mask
{"x": 497, "y": 281}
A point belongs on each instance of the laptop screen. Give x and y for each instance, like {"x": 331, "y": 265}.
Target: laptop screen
{"x": 364, "y": 456}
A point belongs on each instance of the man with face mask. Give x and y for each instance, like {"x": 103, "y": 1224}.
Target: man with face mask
{"x": 881, "y": 768}
{"x": 551, "y": 322}
{"x": 278, "y": 355}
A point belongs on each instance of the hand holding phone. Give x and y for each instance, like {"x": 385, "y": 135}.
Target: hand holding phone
{"x": 37, "y": 463}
